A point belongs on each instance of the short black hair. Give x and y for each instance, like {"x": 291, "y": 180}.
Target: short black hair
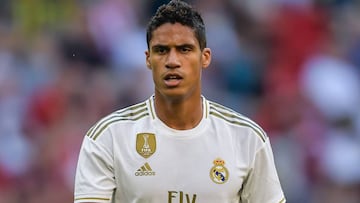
{"x": 177, "y": 11}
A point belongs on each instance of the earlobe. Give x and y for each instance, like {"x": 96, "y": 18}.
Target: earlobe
{"x": 147, "y": 55}
{"x": 206, "y": 57}
{"x": 148, "y": 64}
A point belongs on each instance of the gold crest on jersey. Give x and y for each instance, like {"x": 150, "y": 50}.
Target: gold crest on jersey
{"x": 219, "y": 173}
{"x": 145, "y": 144}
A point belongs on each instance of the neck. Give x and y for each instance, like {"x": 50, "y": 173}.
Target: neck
{"x": 180, "y": 114}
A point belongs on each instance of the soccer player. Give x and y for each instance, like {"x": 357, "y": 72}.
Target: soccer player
{"x": 177, "y": 146}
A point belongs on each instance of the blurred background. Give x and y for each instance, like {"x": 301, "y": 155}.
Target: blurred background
{"x": 291, "y": 65}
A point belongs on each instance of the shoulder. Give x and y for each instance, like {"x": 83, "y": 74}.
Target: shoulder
{"x": 230, "y": 117}
{"x": 131, "y": 113}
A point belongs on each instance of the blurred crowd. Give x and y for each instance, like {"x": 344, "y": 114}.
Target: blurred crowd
{"x": 291, "y": 65}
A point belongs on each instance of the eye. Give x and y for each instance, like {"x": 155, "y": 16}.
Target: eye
{"x": 160, "y": 50}
{"x": 185, "y": 49}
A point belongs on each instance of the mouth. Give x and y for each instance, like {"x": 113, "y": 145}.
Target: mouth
{"x": 172, "y": 79}
{"x": 172, "y": 76}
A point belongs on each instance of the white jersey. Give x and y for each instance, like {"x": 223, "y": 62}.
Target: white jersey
{"x": 131, "y": 156}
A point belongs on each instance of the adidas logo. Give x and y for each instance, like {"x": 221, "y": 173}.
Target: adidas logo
{"x": 145, "y": 170}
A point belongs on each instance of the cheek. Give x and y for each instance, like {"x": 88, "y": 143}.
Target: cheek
{"x": 196, "y": 65}
{"x": 155, "y": 63}
{"x": 156, "y": 73}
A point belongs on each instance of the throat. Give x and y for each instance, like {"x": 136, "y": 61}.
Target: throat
{"x": 184, "y": 123}
{"x": 180, "y": 117}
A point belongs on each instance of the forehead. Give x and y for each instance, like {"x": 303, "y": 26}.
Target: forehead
{"x": 173, "y": 34}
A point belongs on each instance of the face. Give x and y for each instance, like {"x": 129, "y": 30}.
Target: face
{"x": 176, "y": 61}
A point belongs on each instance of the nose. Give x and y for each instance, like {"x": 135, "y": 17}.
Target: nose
{"x": 172, "y": 60}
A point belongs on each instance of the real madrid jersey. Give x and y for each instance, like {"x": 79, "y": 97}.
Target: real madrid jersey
{"x": 131, "y": 156}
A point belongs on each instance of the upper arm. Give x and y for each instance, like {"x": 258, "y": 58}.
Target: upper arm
{"x": 94, "y": 179}
{"x": 262, "y": 184}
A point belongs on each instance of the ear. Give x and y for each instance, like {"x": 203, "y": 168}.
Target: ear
{"x": 147, "y": 55}
{"x": 206, "y": 57}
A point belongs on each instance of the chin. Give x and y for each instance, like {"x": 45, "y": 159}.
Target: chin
{"x": 173, "y": 94}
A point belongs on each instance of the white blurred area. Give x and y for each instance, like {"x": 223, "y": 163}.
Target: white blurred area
{"x": 293, "y": 66}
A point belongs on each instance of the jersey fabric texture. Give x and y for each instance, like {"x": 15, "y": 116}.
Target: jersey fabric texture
{"x": 131, "y": 156}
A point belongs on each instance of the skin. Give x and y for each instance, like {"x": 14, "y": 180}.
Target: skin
{"x": 174, "y": 50}
{"x": 176, "y": 61}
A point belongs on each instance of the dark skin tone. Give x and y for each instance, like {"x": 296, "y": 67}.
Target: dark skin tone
{"x": 176, "y": 62}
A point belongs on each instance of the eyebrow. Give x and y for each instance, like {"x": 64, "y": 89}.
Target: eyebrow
{"x": 158, "y": 46}
{"x": 176, "y": 46}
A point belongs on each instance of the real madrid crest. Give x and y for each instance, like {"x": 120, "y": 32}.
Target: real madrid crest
{"x": 219, "y": 173}
{"x": 145, "y": 144}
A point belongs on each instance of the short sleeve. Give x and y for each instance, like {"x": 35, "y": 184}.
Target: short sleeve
{"x": 262, "y": 184}
{"x": 94, "y": 179}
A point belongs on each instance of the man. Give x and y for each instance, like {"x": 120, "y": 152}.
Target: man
{"x": 177, "y": 146}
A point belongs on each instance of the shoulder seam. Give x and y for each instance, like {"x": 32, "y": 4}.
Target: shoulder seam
{"x": 235, "y": 118}
{"x": 132, "y": 113}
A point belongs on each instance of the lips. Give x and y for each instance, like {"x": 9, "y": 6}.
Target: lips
{"x": 172, "y": 76}
{"x": 172, "y": 79}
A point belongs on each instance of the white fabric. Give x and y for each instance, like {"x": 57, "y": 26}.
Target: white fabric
{"x": 181, "y": 163}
